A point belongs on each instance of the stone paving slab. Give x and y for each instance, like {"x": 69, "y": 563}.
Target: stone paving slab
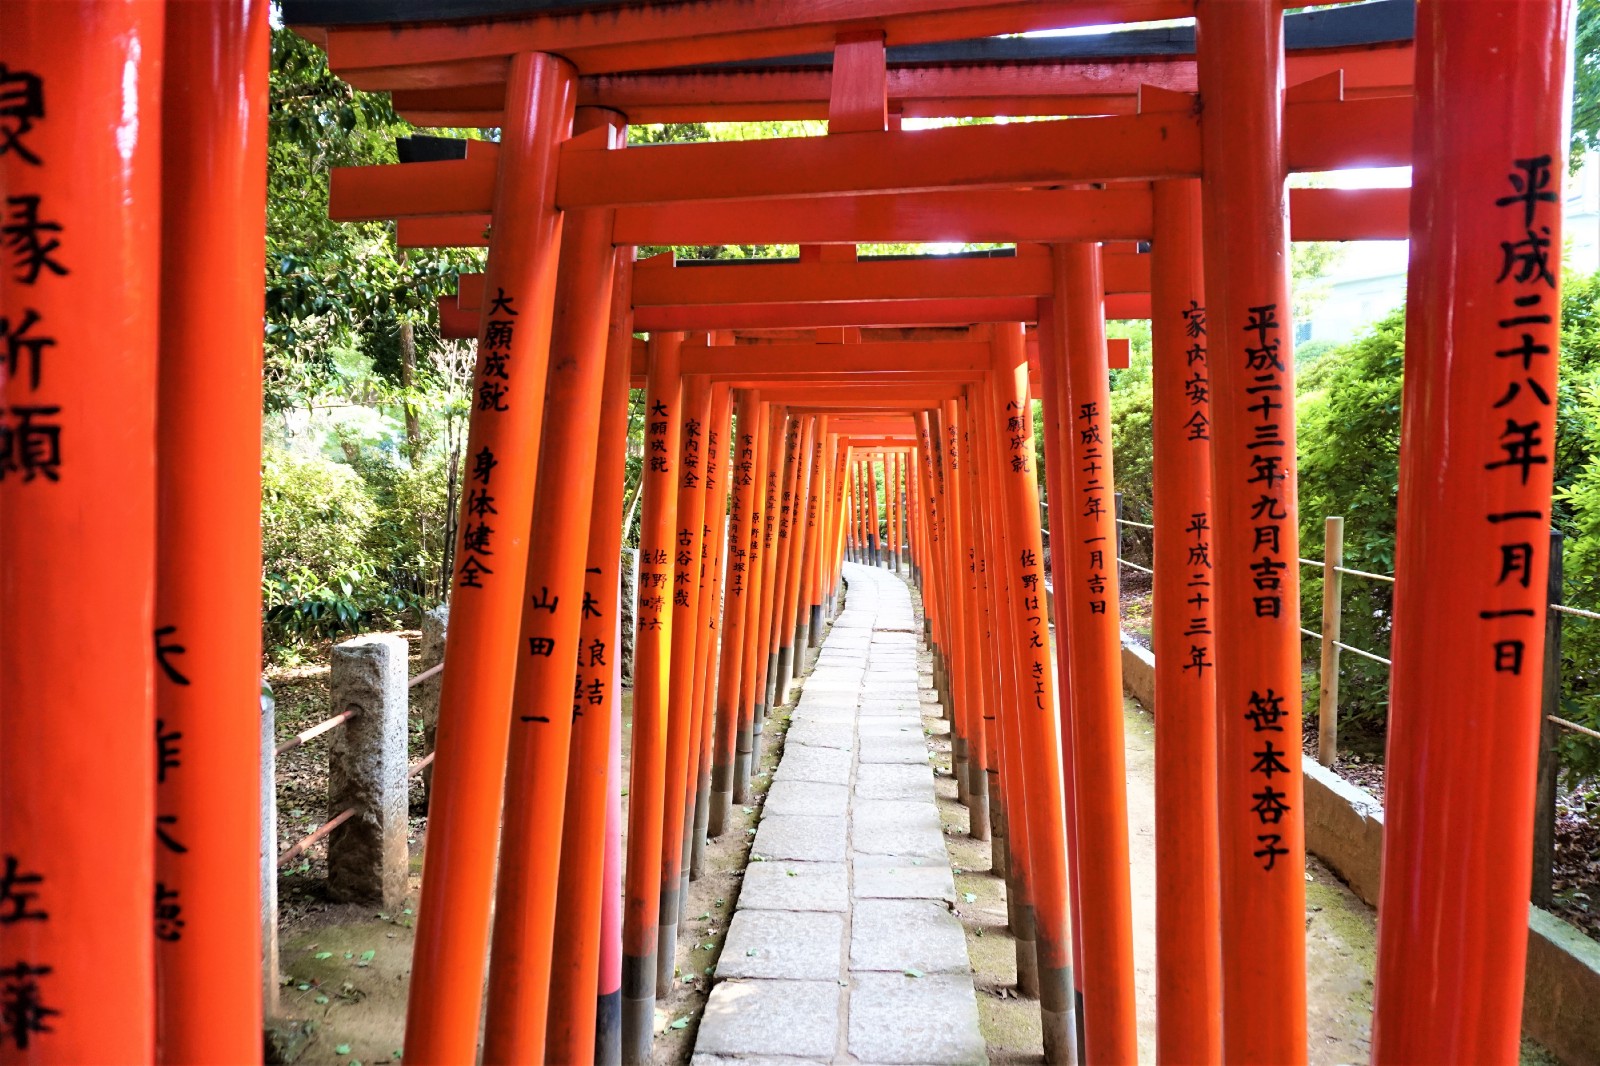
{"x": 906, "y": 934}
{"x": 829, "y": 712}
{"x": 807, "y": 838}
{"x": 873, "y": 708}
{"x": 898, "y": 827}
{"x": 849, "y": 891}
{"x": 795, "y": 886}
{"x": 820, "y": 734}
{"x": 754, "y": 1060}
{"x": 806, "y": 797}
{"x": 890, "y": 725}
{"x": 799, "y": 945}
{"x": 892, "y": 781}
{"x": 827, "y": 765}
{"x": 799, "y": 1018}
{"x": 881, "y": 877}
{"x": 898, "y": 747}
{"x": 898, "y": 1019}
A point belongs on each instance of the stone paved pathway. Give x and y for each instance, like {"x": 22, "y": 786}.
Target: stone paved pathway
{"x": 843, "y": 948}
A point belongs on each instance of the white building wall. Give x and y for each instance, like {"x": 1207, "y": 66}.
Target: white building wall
{"x": 1369, "y": 279}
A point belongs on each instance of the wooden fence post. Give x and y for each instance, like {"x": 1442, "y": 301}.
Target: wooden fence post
{"x": 1117, "y": 503}
{"x": 1544, "y": 804}
{"x": 1332, "y": 612}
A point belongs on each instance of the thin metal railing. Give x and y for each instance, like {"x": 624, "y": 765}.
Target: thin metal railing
{"x": 1559, "y": 608}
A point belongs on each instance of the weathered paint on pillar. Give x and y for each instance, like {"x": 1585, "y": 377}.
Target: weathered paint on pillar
{"x": 1476, "y": 458}
{"x": 542, "y": 706}
{"x": 452, "y": 942}
{"x": 580, "y": 993}
{"x": 80, "y": 165}
{"x": 1188, "y": 977}
{"x": 647, "y": 772}
{"x": 207, "y": 898}
{"x": 1256, "y": 543}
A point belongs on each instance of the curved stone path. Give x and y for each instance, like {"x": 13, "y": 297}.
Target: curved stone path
{"x": 843, "y": 947}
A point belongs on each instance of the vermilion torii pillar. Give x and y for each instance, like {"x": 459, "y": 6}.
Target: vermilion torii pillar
{"x": 647, "y": 780}
{"x": 576, "y": 1009}
{"x": 713, "y": 532}
{"x": 1256, "y": 542}
{"x": 1012, "y": 461}
{"x": 1188, "y": 997}
{"x": 808, "y": 608}
{"x": 751, "y": 690}
{"x": 1476, "y": 458}
{"x": 1085, "y": 556}
{"x": 685, "y": 600}
{"x": 790, "y": 534}
{"x": 491, "y": 554}
{"x": 543, "y": 710}
{"x": 738, "y": 595}
{"x": 966, "y": 577}
{"x": 79, "y": 313}
{"x": 958, "y": 704}
{"x": 207, "y": 897}
{"x": 779, "y": 433}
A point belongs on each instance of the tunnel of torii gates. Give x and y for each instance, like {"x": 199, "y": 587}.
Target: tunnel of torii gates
{"x": 780, "y": 397}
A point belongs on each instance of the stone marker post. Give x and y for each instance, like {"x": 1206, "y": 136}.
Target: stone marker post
{"x": 269, "y": 853}
{"x": 368, "y": 860}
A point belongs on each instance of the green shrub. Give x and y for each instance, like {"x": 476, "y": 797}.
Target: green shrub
{"x": 318, "y": 576}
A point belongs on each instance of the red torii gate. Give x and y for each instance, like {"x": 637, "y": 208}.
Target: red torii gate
{"x": 1484, "y": 213}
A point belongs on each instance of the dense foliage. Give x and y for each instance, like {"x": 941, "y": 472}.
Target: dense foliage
{"x": 365, "y": 404}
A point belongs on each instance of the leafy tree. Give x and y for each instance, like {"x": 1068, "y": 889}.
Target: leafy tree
{"x": 368, "y": 401}
{"x": 331, "y": 283}
{"x": 1586, "y": 83}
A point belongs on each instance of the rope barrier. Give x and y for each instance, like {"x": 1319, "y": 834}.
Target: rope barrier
{"x": 294, "y": 850}
{"x": 1319, "y": 564}
{"x": 420, "y": 678}
{"x": 315, "y": 731}
{"x": 1574, "y": 726}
